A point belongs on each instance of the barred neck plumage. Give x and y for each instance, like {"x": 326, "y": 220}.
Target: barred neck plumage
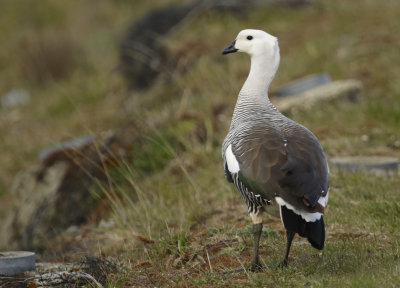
{"x": 253, "y": 101}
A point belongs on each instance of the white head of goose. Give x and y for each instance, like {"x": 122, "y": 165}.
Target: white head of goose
{"x": 269, "y": 157}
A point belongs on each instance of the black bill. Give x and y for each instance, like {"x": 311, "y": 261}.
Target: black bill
{"x": 230, "y": 49}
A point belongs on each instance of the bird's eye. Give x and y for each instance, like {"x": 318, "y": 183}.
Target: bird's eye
{"x": 249, "y": 37}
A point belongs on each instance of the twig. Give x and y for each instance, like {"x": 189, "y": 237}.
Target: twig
{"x": 209, "y": 263}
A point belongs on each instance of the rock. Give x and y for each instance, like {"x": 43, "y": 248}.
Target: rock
{"x": 15, "y": 97}
{"x": 142, "y": 55}
{"x": 302, "y": 85}
{"x": 69, "y": 144}
{"x": 320, "y": 94}
{"x": 54, "y": 194}
{"x": 106, "y": 223}
{"x": 16, "y": 262}
{"x": 370, "y": 163}
{"x": 72, "y": 229}
{"x": 91, "y": 272}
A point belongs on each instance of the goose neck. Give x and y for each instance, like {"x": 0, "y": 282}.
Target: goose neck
{"x": 262, "y": 71}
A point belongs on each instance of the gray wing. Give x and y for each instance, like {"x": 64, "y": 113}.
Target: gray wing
{"x": 291, "y": 165}
{"x": 261, "y": 154}
{"x": 306, "y": 168}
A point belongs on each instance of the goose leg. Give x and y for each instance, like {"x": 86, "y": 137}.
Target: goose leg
{"x": 255, "y": 264}
{"x": 289, "y": 239}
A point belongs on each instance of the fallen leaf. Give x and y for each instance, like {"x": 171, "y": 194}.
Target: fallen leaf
{"x": 144, "y": 239}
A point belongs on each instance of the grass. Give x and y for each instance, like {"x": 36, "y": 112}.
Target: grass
{"x": 361, "y": 249}
{"x": 177, "y": 222}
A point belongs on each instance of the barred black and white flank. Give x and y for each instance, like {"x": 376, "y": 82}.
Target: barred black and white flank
{"x": 270, "y": 158}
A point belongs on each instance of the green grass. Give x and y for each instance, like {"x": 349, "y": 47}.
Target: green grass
{"x": 173, "y": 191}
{"x": 362, "y": 246}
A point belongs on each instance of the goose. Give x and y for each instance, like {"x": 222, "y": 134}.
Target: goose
{"x": 270, "y": 158}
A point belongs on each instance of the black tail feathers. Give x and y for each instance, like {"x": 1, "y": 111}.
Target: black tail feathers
{"x": 313, "y": 231}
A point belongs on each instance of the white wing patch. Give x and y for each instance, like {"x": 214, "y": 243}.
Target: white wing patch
{"x": 324, "y": 200}
{"x": 309, "y": 217}
{"x": 233, "y": 164}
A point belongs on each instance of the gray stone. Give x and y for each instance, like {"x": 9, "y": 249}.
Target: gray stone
{"x": 302, "y": 85}
{"x": 69, "y": 144}
{"x": 16, "y": 262}
{"x": 53, "y": 195}
{"x": 72, "y": 229}
{"x": 106, "y": 223}
{"x": 359, "y": 163}
{"x": 15, "y": 97}
{"x": 347, "y": 89}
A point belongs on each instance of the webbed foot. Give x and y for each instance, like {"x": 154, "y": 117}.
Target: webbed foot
{"x": 283, "y": 263}
{"x": 255, "y": 267}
